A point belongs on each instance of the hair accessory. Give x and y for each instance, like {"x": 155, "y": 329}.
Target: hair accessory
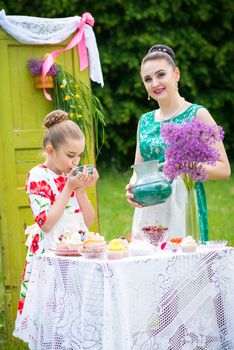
{"x": 163, "y": 48}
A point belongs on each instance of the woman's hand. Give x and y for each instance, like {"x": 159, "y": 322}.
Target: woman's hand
{"x": 130, "y": 197}
{"x": 82, "y": 180}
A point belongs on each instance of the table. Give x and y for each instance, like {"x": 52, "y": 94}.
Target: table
{"x": 164, "y": 301}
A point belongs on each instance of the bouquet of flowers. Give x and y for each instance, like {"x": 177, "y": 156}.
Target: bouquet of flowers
{"x": 189, "y": 148}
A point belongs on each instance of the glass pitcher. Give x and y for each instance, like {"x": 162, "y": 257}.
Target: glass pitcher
{"x": 150, "y": 186}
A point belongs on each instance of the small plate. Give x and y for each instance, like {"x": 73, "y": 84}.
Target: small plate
{"x": 216, "y": 244}
{"x": 66, "y": 252}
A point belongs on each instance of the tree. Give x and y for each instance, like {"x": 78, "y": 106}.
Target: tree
{"x": 199, "y": 32}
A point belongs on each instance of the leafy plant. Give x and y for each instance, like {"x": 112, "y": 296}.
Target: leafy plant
{"x": 83, "y": 107}
{"x": 203, "y": 43}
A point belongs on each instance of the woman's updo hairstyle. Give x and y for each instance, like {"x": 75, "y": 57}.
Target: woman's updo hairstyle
{"x": 59, "y": 129}
{"x": 160, "y": 51}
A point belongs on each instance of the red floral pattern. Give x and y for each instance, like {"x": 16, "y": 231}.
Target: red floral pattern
{"x": 45, "y": 187}
{"x": 60, "y": 182}
{"x": 42, "y": 188}
{"x": 34, "y": 246}
{"x": 41, "y": 218}
{"x": 21, "y": 305}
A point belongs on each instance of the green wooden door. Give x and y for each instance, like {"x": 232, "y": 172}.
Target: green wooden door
{"x": 22, "y": 110}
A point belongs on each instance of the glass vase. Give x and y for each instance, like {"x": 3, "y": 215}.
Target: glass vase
{"x": 150, "y": 186}
{"x": 192, "y": 221}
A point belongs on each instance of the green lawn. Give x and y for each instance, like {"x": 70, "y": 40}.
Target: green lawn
{"x": 116, "y": 215}
{"x": 114, "y": 211}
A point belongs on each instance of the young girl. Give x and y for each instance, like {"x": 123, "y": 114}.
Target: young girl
{"x": 57, "y": 196}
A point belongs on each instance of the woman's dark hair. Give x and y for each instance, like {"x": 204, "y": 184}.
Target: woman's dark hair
{"x": 160, "y": 51}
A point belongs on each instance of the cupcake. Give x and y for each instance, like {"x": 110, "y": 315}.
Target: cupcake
{"x": 115, "y": 249}
{"x": 69, "y": 241}
{"x": 176, "y": 240}
{"x": 94, "y": 244}
{"x": 188, "y": 245}
{"x": 174, "y": 244}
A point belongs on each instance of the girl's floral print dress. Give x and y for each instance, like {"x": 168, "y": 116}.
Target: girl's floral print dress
{"x": 43, "y": 187}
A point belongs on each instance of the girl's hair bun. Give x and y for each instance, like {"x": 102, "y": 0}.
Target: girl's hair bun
{"x": 55, "y": 117}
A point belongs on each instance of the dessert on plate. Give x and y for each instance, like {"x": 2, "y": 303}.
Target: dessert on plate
{"x": 155, "y": 234}
{"x": 174, "y": 244}
{"x": 116, "y": 249}
{"x": 176, "y": 240}
{"x": 188, "y": 245}
{"x": 94, "y": 245}
{"x": 68, "y": 243}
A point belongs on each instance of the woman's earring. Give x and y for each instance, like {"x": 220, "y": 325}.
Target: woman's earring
{"x": 177, "y": 88}
{"x": 148, "y": 98}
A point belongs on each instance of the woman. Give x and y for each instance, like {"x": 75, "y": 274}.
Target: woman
{"x": 160, "y": 76}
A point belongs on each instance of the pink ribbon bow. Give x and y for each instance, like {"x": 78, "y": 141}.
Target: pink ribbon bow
{"x": 79, "y": 40}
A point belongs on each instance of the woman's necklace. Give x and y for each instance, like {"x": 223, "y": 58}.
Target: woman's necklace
{"x": 173, "y": 114}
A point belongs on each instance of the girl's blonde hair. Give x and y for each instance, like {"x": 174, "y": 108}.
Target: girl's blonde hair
{"x": 59, "y": 129}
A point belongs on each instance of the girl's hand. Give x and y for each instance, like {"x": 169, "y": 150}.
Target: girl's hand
{"x": 130, "y": 197}
{"x": 83, "y": 180}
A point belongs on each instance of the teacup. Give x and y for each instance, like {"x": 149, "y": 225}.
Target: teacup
{"x": 81, "y": 169}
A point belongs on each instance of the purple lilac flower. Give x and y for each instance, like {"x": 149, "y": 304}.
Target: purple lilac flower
{"x": 189, "y": 148}
{"x": 53, "y": 70}
{"x": 34, "y": 66}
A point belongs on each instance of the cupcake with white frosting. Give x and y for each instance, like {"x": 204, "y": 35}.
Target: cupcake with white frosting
{"x": 94, "y": 245}
{"x": 188, "y": 245}
{"x": 69, "y": 241}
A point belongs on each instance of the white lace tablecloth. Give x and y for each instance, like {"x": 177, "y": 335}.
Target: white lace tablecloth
{"x": 174, "y": 302}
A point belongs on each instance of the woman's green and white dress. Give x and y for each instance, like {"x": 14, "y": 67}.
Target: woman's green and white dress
{"x": 171, "y": 213}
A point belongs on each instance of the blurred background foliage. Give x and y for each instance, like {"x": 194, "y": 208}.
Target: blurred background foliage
{"x": 201, "y": 34}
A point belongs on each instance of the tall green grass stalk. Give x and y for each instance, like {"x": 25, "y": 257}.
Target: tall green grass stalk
{"x": 82, "y": 106}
